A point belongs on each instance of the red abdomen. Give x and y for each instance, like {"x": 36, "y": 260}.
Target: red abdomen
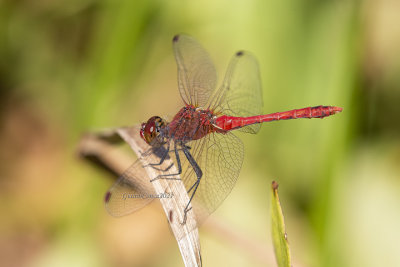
{"x": 228, "y": 123}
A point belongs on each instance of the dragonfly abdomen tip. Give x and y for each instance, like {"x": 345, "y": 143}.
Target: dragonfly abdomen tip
{"x": 337, "y": 110}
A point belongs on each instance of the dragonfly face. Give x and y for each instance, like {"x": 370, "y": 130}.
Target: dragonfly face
{"x": 151, "y": 130}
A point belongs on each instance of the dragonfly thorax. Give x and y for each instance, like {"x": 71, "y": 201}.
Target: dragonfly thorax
{"x": 150, "y": 131}
{"x": 191, "y": 123}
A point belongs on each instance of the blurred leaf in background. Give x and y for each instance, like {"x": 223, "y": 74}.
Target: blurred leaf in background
{"x": 72, "y": 66}
{"x": 279, "y": 235}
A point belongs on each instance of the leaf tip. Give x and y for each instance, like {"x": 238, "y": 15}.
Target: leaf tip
{"x": 274, "y": 185}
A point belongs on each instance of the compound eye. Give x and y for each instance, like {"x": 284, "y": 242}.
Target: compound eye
{"x": 151, "y": 129}
{"x": 142, "y": 131}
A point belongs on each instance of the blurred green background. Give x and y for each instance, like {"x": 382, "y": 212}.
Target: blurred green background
{"x": 68, "y": 67}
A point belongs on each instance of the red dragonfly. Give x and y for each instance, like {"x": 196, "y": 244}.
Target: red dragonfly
{"x": 199, "y": 138}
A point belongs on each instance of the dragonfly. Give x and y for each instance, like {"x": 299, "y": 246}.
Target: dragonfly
{"x": 199, "y": 139}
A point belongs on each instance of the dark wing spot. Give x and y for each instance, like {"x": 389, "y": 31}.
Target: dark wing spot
{"x": 176, "y": 38}
{"x": 239, "y": 53}
{"x": 107, "y": 197}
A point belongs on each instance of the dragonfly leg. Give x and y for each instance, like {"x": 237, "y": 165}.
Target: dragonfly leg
{"x": 166, "y": 176}
{"x": 159, "y": 169}
{"x": 194, "y": 187}
{"x": 162, "y": 155}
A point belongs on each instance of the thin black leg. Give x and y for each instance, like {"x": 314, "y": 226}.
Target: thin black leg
{"x": 196, "y": 169}
{"x": 166, "y": 176}
{"x": 194, "y": 187}
{"x": 163, "y": 156}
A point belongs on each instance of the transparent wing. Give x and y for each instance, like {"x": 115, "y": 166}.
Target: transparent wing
{"x": 197, "y": 76}
{"x": 241, "y": 93}
{"x": 220, "y": 157}
{"x": 130, "y": 192}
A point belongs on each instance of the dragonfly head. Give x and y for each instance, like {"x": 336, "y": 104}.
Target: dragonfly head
{"x": 151, "y": 130}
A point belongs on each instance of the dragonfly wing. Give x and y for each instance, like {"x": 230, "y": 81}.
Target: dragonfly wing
{"x": 220, "y": 157}
{"x": 197, "y": 76}
{"x": 241, "y": 92}
{"x": 130, "y": 192}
